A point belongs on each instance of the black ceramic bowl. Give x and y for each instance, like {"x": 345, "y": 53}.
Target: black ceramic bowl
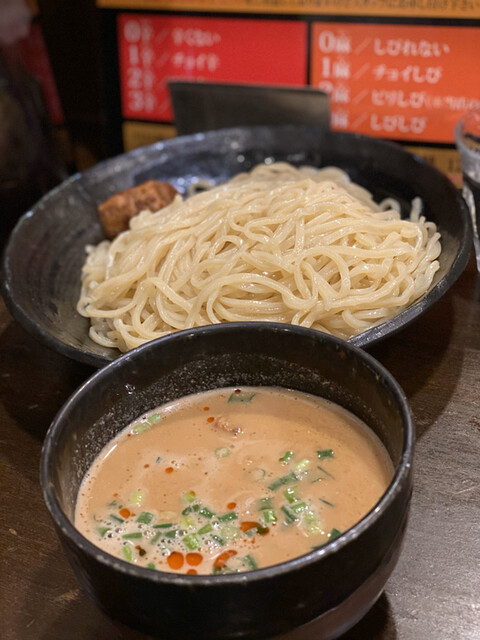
{"x": 333, "y": 586}
{"x": 45, "y": 254}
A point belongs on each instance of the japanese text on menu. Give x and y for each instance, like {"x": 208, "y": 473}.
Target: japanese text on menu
{"x": 401, "y": 82}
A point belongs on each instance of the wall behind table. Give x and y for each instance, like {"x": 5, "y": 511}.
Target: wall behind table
{"x": 403, "y": 71}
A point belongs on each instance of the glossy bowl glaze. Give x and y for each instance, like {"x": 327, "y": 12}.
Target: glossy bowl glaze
{"x": 333, "y": 586}
{"x": 43, "y": 260}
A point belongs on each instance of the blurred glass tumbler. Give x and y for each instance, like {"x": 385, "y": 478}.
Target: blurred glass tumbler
{"x": 467, "y": 140}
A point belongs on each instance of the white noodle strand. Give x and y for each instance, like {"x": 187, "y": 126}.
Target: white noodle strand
{"x": 296, "y": 245}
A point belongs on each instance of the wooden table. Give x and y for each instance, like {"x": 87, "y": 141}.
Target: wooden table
{"x": 434, "y": 593}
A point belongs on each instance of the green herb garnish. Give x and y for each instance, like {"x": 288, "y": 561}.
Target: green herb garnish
{"x": 205, "y": 529}
{"x": 290, "y": 517}
{"x": 127, "y": 553}
{"x": 112, "y": 516}
{"x": 330, "y": 504}
{"x": 145, "y": 517}
{"x": 289, "y": 477}
{"x": 206, "y": 513}
{"x": 269, "y": 516}
{"x": 241, "y": 396}
{"x": 288, "y": 455}
{"x": 250, "y": 561}
{"x": 132, "y": 536}
{"x": 324, "y": 453}
{"x": 191, "y": 541}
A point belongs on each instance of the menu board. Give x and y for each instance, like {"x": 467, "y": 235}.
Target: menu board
{"x": 402, "y": 70}
{"x": 401, "y": 82}
{"x": 154, "y": 49}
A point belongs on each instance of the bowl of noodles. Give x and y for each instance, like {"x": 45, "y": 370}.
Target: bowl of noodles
{"x": 341, "y": 233}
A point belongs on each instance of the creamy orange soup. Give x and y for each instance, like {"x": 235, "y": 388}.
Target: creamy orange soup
{"x": 232, "y": 480}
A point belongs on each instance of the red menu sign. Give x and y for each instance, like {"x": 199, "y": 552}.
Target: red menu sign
{"x": 397, "y": 81}
{"x": 154, "y": 49}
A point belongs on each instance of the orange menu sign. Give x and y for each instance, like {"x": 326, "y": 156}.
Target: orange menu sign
{"x": 397, "y": 81}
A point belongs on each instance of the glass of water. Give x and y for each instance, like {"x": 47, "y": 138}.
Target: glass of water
{"x": 467, "y": 140}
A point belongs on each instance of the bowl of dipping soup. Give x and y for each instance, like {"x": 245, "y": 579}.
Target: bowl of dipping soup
{"x": 233, "y": 481}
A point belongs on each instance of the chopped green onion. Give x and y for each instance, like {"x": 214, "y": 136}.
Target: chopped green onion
{"x": 264, "y": 503}
{"x": 330, "y": 504}
{"x": 140, "y": 427}
{"x": 132, "y": 536}
{"x": 229, "y": 532}
{"x": 150, "y": 565}
{"x": 171, "y": 534}
{"x": 113, "y": 503}
{"x": 324, "y": 471}
{"x": 302, "y": 465}
{"x": 191, "y": 541}
{"x": 256, "y": 528}
{"x": 127, "y": 553}
{"x": 145, "y": 517}
{"x": 155, "y": 417}
{"x": 193, "y": 507}
{"x": 206, "y": 513}
{"x": 241, "y": 396}
{"x": 269, "y": 516}
{"x": 218, "y": 540}
{"x": 102, "y": 531}
{"x": 230, "y": 515}
{"x": 334, "y": 533}
{"x": 188, "y": 521}
{"x": 289, "y": 477}
{"x": 222, "y": 452}
{"x": 205, "y": 529}
{"x": 298, "y": 507}
{"x": 291, "y": 495}
{"x": 156, "y": 537}
{"x": 324, "y": 453}
{"x": 250, "y": 561}
{"x": 136, "y": 498}
{"x": 288, "y": 455}
{"x": 112, "y": 516}
{"x": 165, "y": 525}
{"x": 189, "y": 497}
{"x": 290, "y": 517}
{"x": 310, "y": 521}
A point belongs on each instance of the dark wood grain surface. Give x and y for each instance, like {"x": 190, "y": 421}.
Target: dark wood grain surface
{"x": 434, "y": 593}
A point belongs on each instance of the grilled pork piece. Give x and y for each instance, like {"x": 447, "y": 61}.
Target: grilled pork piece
{"x": 116, "y": 212}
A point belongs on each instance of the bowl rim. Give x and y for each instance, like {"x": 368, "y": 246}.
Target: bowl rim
{"x": 400, "y": 477}
{"x": 365, "y": 339}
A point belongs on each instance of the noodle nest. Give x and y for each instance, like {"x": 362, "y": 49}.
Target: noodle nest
{"x": 296, "y": 245}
